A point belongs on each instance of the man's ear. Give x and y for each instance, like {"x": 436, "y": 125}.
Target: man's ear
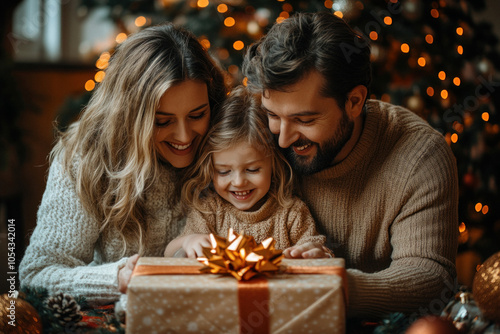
{"x": 355, "y": 101}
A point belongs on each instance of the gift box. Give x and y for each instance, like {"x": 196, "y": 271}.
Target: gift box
{"x": 170, "y": 295}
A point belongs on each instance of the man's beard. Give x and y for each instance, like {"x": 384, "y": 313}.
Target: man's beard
{"x": 326, "y": 152}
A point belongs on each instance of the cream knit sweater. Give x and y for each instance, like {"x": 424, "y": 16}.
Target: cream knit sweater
{"x": 68, "y": 253}
{"x": 288, "y": 226}
{"x": 390, "y": 210}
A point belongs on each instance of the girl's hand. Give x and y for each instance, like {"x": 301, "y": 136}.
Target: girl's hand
{"x": 125, "y": 273}
{"x": 193, "y": 244}
{"x": 309, "y": 250}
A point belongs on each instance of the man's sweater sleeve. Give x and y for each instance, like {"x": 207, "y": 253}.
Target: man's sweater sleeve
{"x": 302, "y": 228}
{"x": 61, "y": 251}
{"x": 423, "y": 238}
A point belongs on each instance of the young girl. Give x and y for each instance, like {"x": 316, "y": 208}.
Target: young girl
{"x": 242, "y": 181}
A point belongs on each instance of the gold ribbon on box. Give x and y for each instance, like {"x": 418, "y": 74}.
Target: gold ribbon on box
{"x": 240, "y": 256}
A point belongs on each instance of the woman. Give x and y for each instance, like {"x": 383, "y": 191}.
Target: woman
{"x": 112, "y": 189}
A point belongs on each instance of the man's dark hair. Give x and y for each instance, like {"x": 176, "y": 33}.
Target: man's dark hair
{"x": 309, "y": 41}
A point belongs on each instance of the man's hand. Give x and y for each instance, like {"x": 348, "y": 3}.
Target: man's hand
{"x": 125, "y": 273}
{"x": 309, "y": 250}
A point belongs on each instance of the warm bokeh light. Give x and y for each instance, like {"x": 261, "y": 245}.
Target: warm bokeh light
{"x": 222, "y": 8}
{"x": 287, "y": 7}
{"x": 205, "y": 43}
{"x": 478, "y": 207}
{"x": 485, "y": 209}
{"x": 140, "y": 21}
{"x": 429, "y": 39}
{"x": 405, "y": 48}
{"x": 99, "y": 76}
{"x": 444, "y": 94}
{"x": 223, "y": 54}
{"x": 244, "y": 81}
{"x": 456, "y": 81}
{"x": 454, "y": 138}
{"x": 434, "y": 13}
{"x": 105, "y": 56}
{"x": 462, "y": 227}
{"x": 373, "y": 35}
{"x": 421, "y": 61}
{"x": 430, "y": 91}
{"x": 447, "y": 137}
{"x": 233, "y": 69}
{"x": 460, "y": 31}
{"x": 485, "y": 116}
{"x": 229, "y": 21}
{"x": 460, "y": 50}
{"x": 280, "y": 19}
{"x": 202, "y": 3}
{"x": 359, "y": 5}
{"x": 385, "y": 98}
{"x": 388, "y": 20}
{"x": 89, "y": 85}
{"x": 121, "y": 37}
{"x": 285, "y": 14}
{"x": 328, "y": 4}
{"x": 338, "y": 13}
{"x": 238, "y": 45}
{"x": 458, "y": 127}
{"x": 442, "y": 75}
{"x": 101, "y": 63}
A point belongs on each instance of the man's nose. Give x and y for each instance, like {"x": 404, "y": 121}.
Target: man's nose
{"x": 287, "y": 135}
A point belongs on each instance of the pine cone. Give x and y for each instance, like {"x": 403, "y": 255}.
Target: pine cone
{"x": 64, "y": 308}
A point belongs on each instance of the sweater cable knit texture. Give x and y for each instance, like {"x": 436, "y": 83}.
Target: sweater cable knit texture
{"x": 288, "y": 226}
{"x": 390, "y": 210}
{"x": 68, "y": 253}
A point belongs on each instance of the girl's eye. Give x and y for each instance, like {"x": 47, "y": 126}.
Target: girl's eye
{"x": 222, "y": 172}
{"x": 253, "y": 170}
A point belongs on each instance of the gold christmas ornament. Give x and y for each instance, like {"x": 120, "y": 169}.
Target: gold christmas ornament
{"x": 240, "y": 256}
{"x": 486, "y": 288}
{"x": 18, "y": 316}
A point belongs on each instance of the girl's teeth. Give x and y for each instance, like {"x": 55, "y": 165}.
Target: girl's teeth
{"x": 180, "y": 147}
{"x": 242, "y": 193}
{"x": 301, "y": 148}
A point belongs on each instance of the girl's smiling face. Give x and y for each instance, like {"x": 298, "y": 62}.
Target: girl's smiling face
{"x": 242, "y": 175}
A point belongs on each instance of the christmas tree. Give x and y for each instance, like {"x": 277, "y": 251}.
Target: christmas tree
{"x": 429, "y": 56}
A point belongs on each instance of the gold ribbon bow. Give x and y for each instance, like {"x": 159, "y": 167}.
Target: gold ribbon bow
{"x": 240, "y": 256}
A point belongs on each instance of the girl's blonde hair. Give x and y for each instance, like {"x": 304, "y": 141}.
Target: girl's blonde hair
{"x": 113, "y": 142}
{"x": 240, "y": 120}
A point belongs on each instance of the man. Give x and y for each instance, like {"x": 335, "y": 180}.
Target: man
{"x": 379, "y": 181}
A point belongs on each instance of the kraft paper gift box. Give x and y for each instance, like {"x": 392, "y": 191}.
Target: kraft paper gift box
{"x": 210, "y": 303}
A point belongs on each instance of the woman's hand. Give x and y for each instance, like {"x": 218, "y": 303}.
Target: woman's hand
{"x": 309, "y": 250}
{"x": 194, "y": 243}
{"x": 125, "y": 273}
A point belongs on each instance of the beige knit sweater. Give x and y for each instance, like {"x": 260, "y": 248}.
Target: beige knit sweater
{"x": 68, "y": 253}
{"x": 288, "y": 226}
{"x": 390, "y": 210}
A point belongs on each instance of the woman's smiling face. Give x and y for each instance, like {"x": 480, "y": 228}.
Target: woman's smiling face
{"x": 181, "y": 122}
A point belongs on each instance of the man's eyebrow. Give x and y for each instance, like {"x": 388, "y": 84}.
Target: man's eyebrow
{"x": 297, "y": 114}
{"x": 190, "y": 111}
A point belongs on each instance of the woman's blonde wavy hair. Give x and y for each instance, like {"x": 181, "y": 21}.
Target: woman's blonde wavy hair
{"x": 240, "y": 120}
{"x": 113, "y": 141}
